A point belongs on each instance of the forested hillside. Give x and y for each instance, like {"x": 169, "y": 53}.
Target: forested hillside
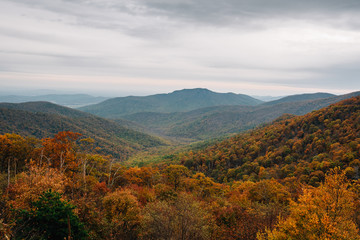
{"x": 177, "y": 101}
{"x": 212, "y": 122}
{"x": 43, "y": 119}
{"x": 297, "y": 178}
{"x": 300, "y": 97}
{"x": 303, "y": 147}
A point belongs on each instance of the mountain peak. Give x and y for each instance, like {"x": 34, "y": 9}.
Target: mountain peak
{"x": 192, "y": 90}
{"x": 177, "y": 101}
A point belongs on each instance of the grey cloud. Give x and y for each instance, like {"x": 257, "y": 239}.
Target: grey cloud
{"x": 251, "y": 7}
{"x": 171, "y": 48}
{"x": 29, "y": 35}
{"x": 247, "y": 14}
{"x": 203, "y": 10}
{"x": 246, "y": 11}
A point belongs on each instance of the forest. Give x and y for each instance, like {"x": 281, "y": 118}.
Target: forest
{"x": 297, "y": 178}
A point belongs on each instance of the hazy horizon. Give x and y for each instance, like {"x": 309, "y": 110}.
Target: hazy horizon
{"x": 40, "y": 92}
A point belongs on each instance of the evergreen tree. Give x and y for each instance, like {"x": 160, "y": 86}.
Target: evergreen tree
{"x": 50, "y": 218}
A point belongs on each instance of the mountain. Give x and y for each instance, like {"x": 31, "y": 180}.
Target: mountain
{"x": 177, "y": 101}
{"x": 300, "y": 97}
{"x": 69, "y": 100}
{"x": 212, "y": 122}
{"x": 44, "y": 119}
{"x": 267, "y": 98}
{"x": 302, "y": 147}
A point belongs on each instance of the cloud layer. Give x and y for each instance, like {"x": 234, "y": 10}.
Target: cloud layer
{"x": 145, "y": 46}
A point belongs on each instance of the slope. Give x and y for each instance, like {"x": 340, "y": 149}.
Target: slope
{"x": 42, "y": 119}
{"x": 69, "y": 100}
{"x": 300, "y": 97}
{"x": 216, "y": 121}
{"x": 304, "y": 147}
{"x": 177, "y": 101}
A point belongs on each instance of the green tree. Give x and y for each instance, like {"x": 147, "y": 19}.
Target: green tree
{"x": 50, "y": 218}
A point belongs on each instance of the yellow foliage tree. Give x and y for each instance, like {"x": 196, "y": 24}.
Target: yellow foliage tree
{"x": 322, "y": 213}
{"x": 122, "y": 214}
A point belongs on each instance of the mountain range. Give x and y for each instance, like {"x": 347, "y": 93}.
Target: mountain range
{"x": 69, "y": 100}
{"x": 44, "y": 119}
{"x": 216, "y": 121}
{"x": 125, "y": 134}
{"x": 177, "y": 101}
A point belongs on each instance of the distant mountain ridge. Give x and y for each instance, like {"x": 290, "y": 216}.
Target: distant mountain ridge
{"x": 300, "y": 97}
{"x": 44, "y": 119}
{"x": 177, "y": 101}
{"x": 215, "y": 121}
{"x": 69, "y": 100}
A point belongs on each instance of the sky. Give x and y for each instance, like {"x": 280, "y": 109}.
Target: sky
{"x": 141, "y": 47}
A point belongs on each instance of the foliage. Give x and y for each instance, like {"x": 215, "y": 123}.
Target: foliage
{"x": 50, "y": 218}
{"x": 304, "y": 147}
{"x": 184, "y": 218}
{"x": 31, "y": 184}
{"x": 275, "y": 182}
{"x": 213, "y": 122}
{"x": 42, "y": 120}
{"x": 121, "y": 210}
{"x": 326, "y": 212}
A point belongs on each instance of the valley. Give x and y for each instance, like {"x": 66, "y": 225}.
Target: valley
{"x": 230, "y": 170}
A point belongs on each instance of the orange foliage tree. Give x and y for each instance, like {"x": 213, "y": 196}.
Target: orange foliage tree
{"x": 326, "y": 212}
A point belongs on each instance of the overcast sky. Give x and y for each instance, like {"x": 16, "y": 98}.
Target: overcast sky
{"x": 138, "y": 47}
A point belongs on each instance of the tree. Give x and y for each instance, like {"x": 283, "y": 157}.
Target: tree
{"x": 321, "y": 213}
{"x": 50, "y": 218}
{"x": 14, "y": 151}
{"x": 61, "y": 152}
{"x": 122, "y": 214}
{"x": 175, "y": 174}
{"x": 30, "y": 185}
{"x": 183, "y": 219}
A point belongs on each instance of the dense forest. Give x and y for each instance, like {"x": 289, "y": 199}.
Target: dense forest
{"x": 44, "y": 119}
{"x": 294, "y": 179}
{"x": 304, "y": 147}
{"x": 177, "y": 101}
{"x": 215, "y": 121}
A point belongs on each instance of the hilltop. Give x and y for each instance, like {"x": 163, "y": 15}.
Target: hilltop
{"x": 177, "y": 101}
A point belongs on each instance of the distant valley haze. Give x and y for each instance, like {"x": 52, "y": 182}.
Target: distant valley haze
{"x": 143, "y": 47}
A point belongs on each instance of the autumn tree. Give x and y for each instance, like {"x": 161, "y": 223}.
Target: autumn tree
{"x": 60, "y": 152}
{"x": 175, "y": 174}
{"x": 122, "y": 214}
{"x": 143, "y": 176}
{"x": 321, "y": 213}
{"x": 185, "y": 218}
{"x": 31, "y": 184}
{"x": 14, "y": 151}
